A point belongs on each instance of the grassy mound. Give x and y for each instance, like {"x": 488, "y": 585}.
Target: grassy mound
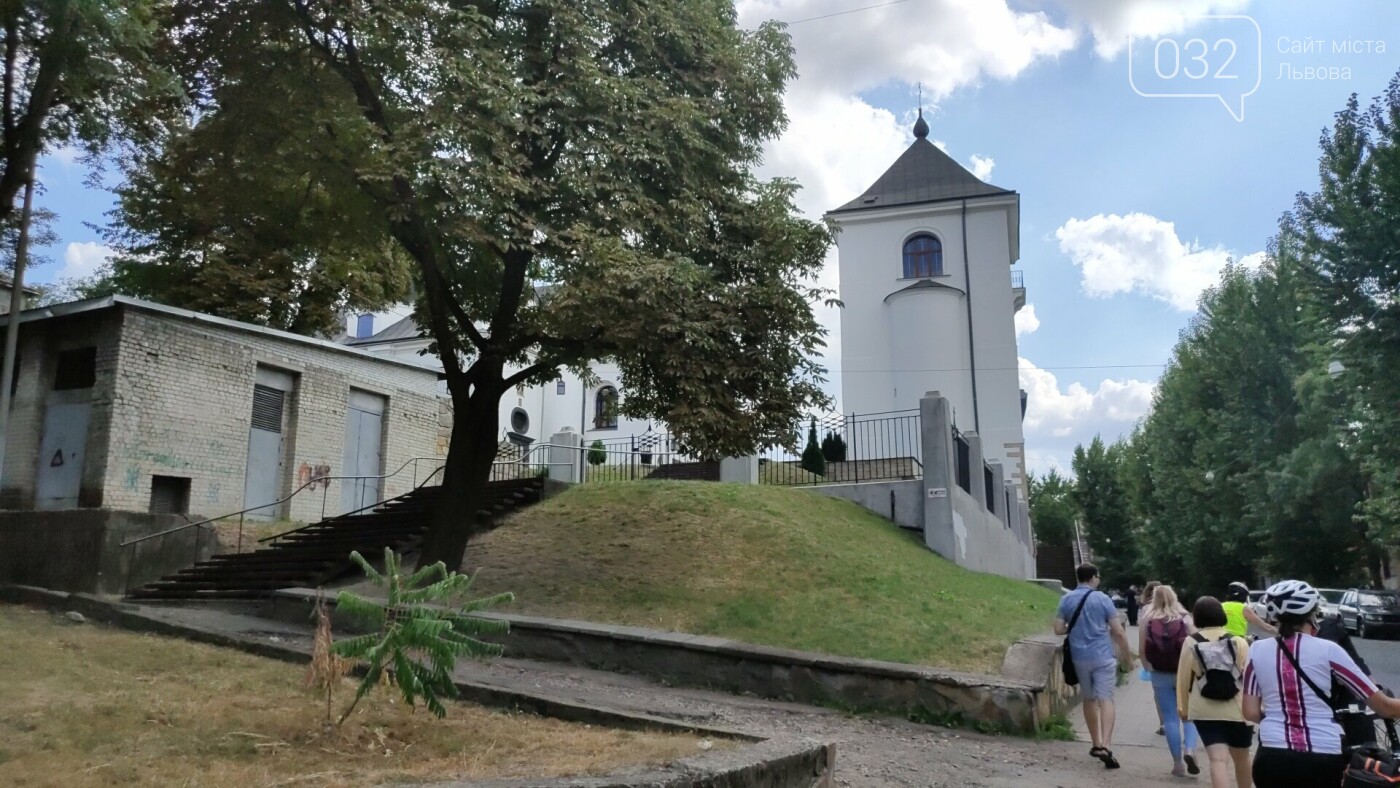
{"x": 760, "y": 564}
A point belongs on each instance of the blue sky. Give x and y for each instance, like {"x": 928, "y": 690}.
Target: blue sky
{"x": 1129, "y": 203}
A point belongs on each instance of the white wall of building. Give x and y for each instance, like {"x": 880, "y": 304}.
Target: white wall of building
{"x": 898, "y": 343}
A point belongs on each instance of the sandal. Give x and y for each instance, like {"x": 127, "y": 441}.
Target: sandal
{"x": 1109, "y": 762}
{"x": 1191, "y": 767}
{"x": 1097, "y": 752}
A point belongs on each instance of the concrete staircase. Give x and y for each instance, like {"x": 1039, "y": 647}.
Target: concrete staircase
{"x": 319, "y": 553}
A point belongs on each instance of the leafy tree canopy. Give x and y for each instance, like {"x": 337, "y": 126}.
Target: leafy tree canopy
{"x": 571, "y": 179}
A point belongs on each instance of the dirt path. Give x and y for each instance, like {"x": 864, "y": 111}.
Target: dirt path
{"x": 871, "y": 752}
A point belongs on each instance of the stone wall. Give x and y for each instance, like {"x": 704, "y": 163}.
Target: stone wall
{"x": 916, "y": 691}
{"x": 80, "y": 549}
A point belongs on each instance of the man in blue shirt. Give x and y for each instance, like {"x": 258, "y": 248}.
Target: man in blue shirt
{"x": 1092, "y": 641}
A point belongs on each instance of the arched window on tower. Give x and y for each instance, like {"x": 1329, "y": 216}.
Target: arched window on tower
{"x": 923, "y": 257}
{"x": 605, "y": 409}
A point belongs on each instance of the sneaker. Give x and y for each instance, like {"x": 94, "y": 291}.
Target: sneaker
{"x": 1162, "y": 730}
{"x": 1179, "y": 770}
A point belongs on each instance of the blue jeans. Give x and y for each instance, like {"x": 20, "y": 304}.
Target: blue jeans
{"x": 1164, "y": 691}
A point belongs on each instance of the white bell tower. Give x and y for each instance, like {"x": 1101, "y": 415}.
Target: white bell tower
{"x": 930, "y": 298}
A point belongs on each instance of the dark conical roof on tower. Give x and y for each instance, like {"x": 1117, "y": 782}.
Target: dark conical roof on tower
{"x": 922, "y": 174}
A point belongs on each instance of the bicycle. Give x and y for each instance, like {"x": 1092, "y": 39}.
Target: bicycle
{"x": 1363, "y": 727}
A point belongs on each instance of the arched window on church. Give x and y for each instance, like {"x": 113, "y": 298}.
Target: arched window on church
{"x": 923, "y": 257}
{"x": 605, "y": 409}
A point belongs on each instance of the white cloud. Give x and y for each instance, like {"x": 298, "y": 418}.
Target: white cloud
{"x": 1111, "y": 22}
{"x": 1141, "y": 253}
{"x": 82, "y": 259}
{"x": 1077, "y": 411}
{"x": 945, "y": 44}
{"x": 982, "y": 166}
{"x": 1026, "y": 321}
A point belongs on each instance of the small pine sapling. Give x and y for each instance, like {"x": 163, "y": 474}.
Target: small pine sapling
{"x": 421, "y": 630}
{"x": 812, "y": 460}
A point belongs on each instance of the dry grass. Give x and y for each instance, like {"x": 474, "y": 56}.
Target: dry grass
{"x": 88, "y": 706}
{"x": 755, "y": 563}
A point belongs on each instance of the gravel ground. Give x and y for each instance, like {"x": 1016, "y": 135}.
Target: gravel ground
{"x": 871, "y": 752}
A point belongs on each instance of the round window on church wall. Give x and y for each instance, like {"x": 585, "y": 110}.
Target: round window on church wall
{"x": 519, "y": 421}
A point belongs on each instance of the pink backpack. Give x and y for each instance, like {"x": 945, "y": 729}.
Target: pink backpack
{"x": 1164, "y": 641}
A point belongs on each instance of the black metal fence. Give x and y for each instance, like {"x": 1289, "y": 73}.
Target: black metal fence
{"x": 963, "y": 458}
{"x": 837, "y": 449}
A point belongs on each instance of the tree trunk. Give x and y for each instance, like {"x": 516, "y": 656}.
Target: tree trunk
{"x": 475, "y": 437}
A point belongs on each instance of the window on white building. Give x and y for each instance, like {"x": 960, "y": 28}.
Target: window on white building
{"x": 923, "y": 257}
{"x": 605, "y": 409}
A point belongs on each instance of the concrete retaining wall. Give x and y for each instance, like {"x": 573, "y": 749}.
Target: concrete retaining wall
{"x": 915, "y": 691}
{"x": 80, "y": 549}
{"x": 900, "y": 501}
{"x": 772, "y": 763}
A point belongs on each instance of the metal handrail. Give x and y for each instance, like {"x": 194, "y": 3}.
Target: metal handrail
{"x": 343, "y": 515}
{"x": 280, "y": 501}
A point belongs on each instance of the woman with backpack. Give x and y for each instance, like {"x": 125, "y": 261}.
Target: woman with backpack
{"x": 1164, "y": 629}
{"x": 1208, "y": 680}
{"x": 1300, "y": 741}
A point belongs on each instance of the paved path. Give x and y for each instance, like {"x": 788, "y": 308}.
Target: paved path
{"x": 871, "y": 752}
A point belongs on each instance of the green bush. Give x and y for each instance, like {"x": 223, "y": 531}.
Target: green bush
{"x": 420, "y": 631}
{"x": 597, "y": 455}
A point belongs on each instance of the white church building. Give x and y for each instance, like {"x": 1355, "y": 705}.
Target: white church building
{"x": 930, "y": 298}
{"x": 929, "y": 305}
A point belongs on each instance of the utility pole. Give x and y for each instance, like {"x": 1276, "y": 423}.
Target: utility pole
{"x": 7, "y": 370}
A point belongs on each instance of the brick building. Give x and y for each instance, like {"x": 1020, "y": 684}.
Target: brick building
{"x": 127, "y": 405}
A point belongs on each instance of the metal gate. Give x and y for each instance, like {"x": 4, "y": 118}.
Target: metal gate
{"x": 364, "y": 432}
{"x": 61, "y": 450}
{"x": 262, "y": 481}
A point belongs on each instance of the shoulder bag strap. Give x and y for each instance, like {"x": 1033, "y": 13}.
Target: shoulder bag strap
{"x": 1077, "y": 611}
{"x": 1283, "y": 647}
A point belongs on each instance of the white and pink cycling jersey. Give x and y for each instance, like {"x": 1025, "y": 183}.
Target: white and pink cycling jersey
{"x": 1295, "y": 718}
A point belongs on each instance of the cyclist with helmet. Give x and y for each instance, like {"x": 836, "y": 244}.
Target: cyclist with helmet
{"x": 1239, "y": 615}
{"x": 1300, "y": 742}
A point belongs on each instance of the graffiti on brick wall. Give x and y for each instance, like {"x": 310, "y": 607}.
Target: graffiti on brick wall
{"x": 133, "y": 478}
{"x": 314, "y": 475}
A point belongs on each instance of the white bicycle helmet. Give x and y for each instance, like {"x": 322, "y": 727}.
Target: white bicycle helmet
{"x": 1293, "y": 597}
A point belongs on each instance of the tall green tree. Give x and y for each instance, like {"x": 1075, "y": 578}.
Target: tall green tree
{"x": 74, "y": 73}
{"x": 1053, "y": 508}
{"x": 1350, "y": 226}
{"x": 571, "y": 179}
{"x": 1107, "y": 525}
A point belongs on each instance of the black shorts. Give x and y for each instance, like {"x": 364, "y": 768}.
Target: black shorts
{"x": 1239, "y": 735}
{"x": 1277, "y": 768}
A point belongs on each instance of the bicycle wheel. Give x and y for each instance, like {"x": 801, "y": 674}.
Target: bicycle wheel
{"x": 1386, "y": 737}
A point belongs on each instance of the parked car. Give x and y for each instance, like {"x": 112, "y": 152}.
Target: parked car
{"x": 1331, "y": 597}
{"x": 1368, "y": 612}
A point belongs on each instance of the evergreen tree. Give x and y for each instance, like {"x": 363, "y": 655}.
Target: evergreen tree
{"x": 812, "y": 460}
{"x": 1053, "y": 508}
{"x": 1349, "y": 226}
{"x": 1099, "y": 496}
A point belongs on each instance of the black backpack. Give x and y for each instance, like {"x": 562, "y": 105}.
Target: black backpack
{"x": 1220, "y": 683}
